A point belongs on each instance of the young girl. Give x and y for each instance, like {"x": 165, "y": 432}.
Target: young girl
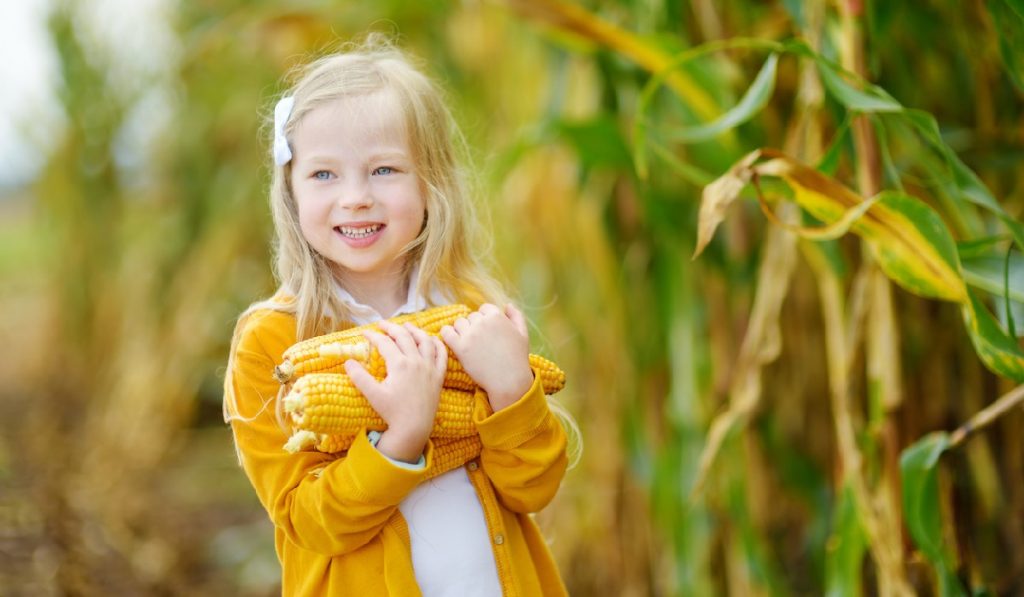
{"x": 372, "y": 220}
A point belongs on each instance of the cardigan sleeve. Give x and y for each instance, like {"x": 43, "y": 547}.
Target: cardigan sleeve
{"x": 524, "y": 449}
{"x": 323, "y": 503}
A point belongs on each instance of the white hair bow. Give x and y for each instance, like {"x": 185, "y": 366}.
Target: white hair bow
{"x": 283, "y": 109}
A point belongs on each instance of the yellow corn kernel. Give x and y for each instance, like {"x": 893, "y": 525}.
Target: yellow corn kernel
{"x": 450, "y": 454}
{"x": 552, "y": 378}
{"x": 306, "y": 357}
{"x": 328, "y": 353}
{"x": 332, "y": 444}
{"x": 329, "y": 403}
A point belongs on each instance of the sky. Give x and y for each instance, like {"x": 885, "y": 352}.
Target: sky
{"x": 29, "y": 113}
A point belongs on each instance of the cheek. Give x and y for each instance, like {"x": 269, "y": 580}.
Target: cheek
{"x": 310, "y": 218}
{"x": 415, "y": 204}
{"x": 415, "y": 217}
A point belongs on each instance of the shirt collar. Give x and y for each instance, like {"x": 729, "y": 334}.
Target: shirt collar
{"x": 361, "y": 314}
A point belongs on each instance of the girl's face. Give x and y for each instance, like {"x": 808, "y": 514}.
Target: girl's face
{"x": 359, "y": 198}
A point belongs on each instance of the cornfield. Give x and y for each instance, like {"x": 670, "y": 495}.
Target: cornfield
{"x": 777, "y": 247}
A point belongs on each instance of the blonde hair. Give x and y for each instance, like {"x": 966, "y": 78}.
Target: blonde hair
{"x": 449, "y": 248}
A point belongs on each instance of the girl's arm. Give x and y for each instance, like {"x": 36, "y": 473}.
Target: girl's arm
{"x": 321, "y": 502}
{"x": 524, "y": 444}
{"x": 524, "y": 449}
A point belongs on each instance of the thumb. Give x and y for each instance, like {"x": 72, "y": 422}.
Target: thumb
{"x": 518, "y": 319}
{"x": 362, "y": 379}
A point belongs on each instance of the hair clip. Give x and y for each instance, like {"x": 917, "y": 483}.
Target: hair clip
{"x": 283, "y": 109}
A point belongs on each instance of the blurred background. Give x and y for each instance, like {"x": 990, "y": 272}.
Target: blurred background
{"x": 755, "y": 421}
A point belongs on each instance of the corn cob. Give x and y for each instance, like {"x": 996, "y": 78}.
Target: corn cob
{"x": 308, "y": 357}
{"x": 328, "y": 353}
{"x": 328, "y": 410}
{"x": 333, "y": 356}
{"x": 329, "y": 403}
{"x": 449, "y": 453}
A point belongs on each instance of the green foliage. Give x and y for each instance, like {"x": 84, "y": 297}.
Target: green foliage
{"x": 1000, "y": 351}
{"x": 754, "y": 100}
{"x": 919, "y": 465}
{"x": 1008, "y": 17}
{"x": 847, "y": 546}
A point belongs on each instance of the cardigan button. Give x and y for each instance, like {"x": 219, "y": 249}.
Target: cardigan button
{"x": 499, "y": 539}
{"x": 473, "y": 466}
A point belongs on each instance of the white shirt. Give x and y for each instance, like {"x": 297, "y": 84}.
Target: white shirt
{"x": 451, "y": 548}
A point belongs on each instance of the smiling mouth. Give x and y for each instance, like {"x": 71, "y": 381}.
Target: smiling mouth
{"x": 358, "y": 232}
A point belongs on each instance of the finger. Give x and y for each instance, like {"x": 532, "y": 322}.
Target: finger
{"x": 384, "y": 345}
{"x": 417, "y": 333}
{"x": 489, "y": 309}
{"x": 474, "y": 316}
{"x": 518, "y": 319}
{"x": 362, "y": 379}
{"x": 461, "y": 325}
{"x": 441, "y": 357}
{"x": 449, "y": 335}
{"x": 423, "y": 342}
{"x": 400, "y": 335}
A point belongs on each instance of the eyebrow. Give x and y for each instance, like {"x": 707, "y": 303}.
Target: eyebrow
{"x": 390, "y": 155}
{"x": 376, "y": 157}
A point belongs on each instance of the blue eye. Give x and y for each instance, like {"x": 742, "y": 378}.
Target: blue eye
{"x": 322, "y": 175}
{"x": 383, "y": 170}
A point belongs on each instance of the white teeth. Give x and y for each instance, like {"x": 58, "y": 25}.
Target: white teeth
{"x": 359, "y": 232}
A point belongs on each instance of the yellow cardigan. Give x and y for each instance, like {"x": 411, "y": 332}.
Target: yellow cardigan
{"x": 338, "y": 530}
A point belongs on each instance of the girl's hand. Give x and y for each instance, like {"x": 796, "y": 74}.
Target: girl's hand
{"x": 407, "y": 398}
{"x": 494, "y": 348}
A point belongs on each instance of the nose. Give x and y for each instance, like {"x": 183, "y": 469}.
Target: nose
{"x": 355, "y": 194}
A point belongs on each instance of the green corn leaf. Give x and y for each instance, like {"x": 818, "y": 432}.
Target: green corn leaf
{"x": 874, "y": 99}
{"x": 685, "y": 170}
{"x": 1008, "y": 19}
{"x": 997, "y": 349}
{"x": 978, "y": 247}
{"x": 988, "y": 273}
{"x": 912, "y": 245}
{"x": 921, "y": 508}
{"x": 966, "y": 181}
{"x": 754, "y": 100}
{"x": 892, "y": 172}
{"x": 663, "y": 76}
{"x": 866, "y": 98}
{"x": 829, "y": 162}
{"x": 845, "y": 550}
{"x": 1011, "y": 317}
